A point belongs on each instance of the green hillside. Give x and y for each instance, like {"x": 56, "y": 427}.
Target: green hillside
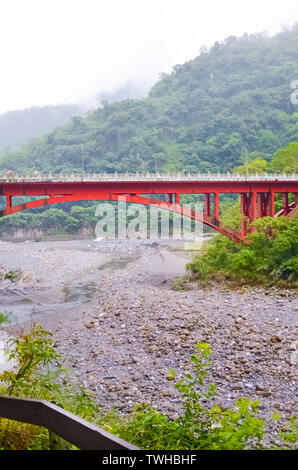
{"x": 203, "y": 116}
{"x": 16, "y": 127}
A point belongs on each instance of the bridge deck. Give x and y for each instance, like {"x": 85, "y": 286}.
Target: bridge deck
{"x": 115, "y": 177}
{"x": 257, "y": 192}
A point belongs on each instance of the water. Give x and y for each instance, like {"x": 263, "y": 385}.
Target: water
{"x": 73, "y": 294}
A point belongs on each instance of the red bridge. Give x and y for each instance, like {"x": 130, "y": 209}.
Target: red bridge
{"x": 257, "y": 193}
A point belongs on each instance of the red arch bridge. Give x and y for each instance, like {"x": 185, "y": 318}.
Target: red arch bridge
{"x": 257, "y": 193}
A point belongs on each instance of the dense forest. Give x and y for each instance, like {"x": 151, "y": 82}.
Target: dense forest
{"x": 16, "y": 127}
{"x": 233, "y": 99}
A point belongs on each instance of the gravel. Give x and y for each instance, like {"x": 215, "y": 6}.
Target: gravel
{"x": 121, "y": 344}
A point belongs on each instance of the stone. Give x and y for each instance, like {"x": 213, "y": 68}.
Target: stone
{"x": 261, "y": 387}
{"x": 276, "y": 339}
{"x": 238, "y": 385}
{"x": 265, "y": 393}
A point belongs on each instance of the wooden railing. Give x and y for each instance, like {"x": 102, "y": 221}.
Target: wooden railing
{"x": 66, "y": 425}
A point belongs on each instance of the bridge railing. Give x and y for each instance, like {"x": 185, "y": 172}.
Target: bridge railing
{"x": 10, "y": 177}
{"x": 66, "y": 425}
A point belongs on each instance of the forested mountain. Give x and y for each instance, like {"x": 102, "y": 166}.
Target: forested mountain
{"x": 205, "y": 115}
{"x": 132, "y": 89}
{"x": 16, "y": 127}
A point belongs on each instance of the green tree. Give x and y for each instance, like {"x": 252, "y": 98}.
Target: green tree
{"x": 286, "y": 159}
{"x": 258, "y": 166}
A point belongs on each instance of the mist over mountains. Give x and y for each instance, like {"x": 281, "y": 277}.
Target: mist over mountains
{"x": 232, "y": 99}
{"x": 18, "y": 126}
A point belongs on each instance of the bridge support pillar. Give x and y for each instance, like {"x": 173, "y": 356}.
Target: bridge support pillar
{"x": 248, "y": 208}
{"x": 285, "y": 201}
{"x": 255, "y": 205}
{"x": 8, "y": 202}
{"x": 260, "y": 205}
{"x": 207, "y": 209}
{"x": 243, "y": 210}
{"x": 171, "y": 198}
{"x": 271, "y": 208}
{"x": 265, "y": 204}
{"x": 216, "y": 206}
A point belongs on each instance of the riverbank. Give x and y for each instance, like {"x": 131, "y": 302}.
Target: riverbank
{"x": 121, "y": 341}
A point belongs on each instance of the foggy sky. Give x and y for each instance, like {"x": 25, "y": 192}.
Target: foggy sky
{"x": 60, "y": 51}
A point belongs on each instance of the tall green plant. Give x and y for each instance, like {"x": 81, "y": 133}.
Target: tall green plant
{"x": 199, "y": 426}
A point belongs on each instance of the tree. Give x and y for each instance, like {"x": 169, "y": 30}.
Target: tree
{"x": 257, "y": 166}
{"x": 286, "y": 159}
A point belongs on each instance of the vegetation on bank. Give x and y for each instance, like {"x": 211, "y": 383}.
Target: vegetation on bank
{"x": 12, "y": 275}
{"x": 40, "y": 374}
{"x": 69, "y": 220}
{"x": 270, "y": 257}
{"x": 4, "y": 317}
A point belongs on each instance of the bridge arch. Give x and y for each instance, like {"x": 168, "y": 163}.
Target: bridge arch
{"x": 177, "y": 208}
{"x": 257, "y": 193}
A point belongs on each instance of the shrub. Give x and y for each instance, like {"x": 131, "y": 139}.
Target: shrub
{"x": 4, "y": 317}
{"x": 270, "y": 257}
{"x": 198, "y": 427}
{"x": 39, "y": 374}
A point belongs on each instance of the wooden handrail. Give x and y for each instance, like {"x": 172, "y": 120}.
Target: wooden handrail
{"x": 64, "y": 424}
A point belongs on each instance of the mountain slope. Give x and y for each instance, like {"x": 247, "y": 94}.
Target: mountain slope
{"x": 204, "y": 116}
{"x": 20, "y": 125}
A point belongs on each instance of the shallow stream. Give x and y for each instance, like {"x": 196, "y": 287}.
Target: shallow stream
{"x": 72, "y": 294}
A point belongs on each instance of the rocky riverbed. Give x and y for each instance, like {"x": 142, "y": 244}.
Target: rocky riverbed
{"x": 121, "y": 342}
